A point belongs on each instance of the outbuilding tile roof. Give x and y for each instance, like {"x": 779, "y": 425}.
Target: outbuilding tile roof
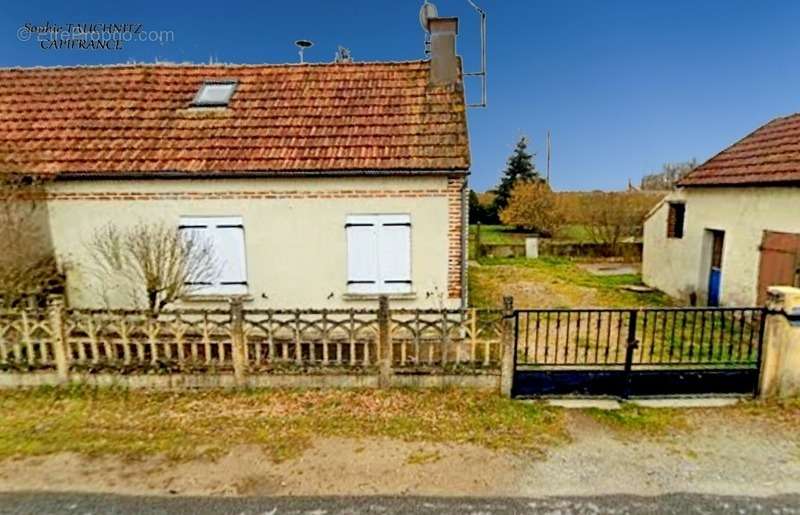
{"x": 769, "y": 155}
{"x": 281, "y": 118}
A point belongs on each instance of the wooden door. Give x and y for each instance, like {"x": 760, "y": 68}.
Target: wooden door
{"x": 780, "y": 262}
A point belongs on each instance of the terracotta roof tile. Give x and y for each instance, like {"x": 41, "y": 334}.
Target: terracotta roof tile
{"x": 281, "y": 118}
{"x": 769, "y": 155}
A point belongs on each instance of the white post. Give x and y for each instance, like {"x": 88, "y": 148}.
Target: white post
{"x": 531, "y": 248}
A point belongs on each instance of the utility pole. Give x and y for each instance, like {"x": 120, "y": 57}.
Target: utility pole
{"x": 548, "y": 157}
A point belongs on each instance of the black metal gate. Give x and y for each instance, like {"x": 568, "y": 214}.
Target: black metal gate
{"x": 637, "y": 352}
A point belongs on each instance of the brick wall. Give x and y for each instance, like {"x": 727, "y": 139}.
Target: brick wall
{"x": 455, "y": 254}
{"x": 261, "y": 194}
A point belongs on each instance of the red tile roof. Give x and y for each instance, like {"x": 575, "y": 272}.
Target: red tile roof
{"x": 770, "y": 155}
{"x": 281, "y": 118}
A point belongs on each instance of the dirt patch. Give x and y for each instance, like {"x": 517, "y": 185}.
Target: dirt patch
{"x": 722, "y": 451}
{"x": 552, "y": 295}
{"x": 332, "y": 466}
{"x": 611, "y": 268}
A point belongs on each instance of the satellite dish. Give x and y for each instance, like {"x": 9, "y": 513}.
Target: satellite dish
{"x": 426, "y": 12}
{"x": 302, "y": 44}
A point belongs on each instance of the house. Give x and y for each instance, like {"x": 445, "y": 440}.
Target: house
{"x": 732, "y": 228}
{"x": 320, "y": 185}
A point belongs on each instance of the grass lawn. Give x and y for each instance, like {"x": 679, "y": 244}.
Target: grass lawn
{"x": 495, "y": 234}
{"x": 498, "y": 234}
{"x": 550, "y": 282}
{"x": 192, "y": 424}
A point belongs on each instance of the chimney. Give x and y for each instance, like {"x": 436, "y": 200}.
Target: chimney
{"x": 444, "y": 63}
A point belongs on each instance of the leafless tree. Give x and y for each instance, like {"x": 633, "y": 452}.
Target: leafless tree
{"x": 611, "y": 217}
{"x": 670, "y": 174}
{"x": 28, "y": 269}
{"x": 154, "y": 264}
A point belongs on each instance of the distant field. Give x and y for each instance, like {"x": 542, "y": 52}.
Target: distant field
{"x": 507, "y": 234}
{"x": 574, "y": 233}
{"x": 503, "y": 234}
{"x": 498, "y": 234}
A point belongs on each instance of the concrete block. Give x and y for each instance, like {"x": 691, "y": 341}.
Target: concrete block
{"x": 780, "y": 366}
{"x": 784, "y": 298}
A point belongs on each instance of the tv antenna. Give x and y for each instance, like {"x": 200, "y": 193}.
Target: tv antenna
{"x": 428, "y": 11}
{"x": 302, "y": 44}
{"x": 482, "y": 73}
{"x": 343, "y": 55}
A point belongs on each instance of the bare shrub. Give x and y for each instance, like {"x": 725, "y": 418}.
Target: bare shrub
{"x": 154, "y": 264}
{"x": 28, "y": 270}
{"x": 609, "y": 217}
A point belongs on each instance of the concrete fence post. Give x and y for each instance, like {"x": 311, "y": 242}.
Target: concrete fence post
{"x": 55, "y": 309}
{"x": 384, "y": 343}
{"x": 780, "y": 359}
{"x": 238, "y": 343}
{"x": 507, "y": 344}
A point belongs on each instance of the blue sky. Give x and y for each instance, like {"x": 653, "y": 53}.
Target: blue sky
{"x": 624, "y": 86}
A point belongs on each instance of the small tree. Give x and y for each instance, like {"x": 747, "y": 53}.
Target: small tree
{"x": 534, "y": 207}
{"x": 154, "y": 264}
{"x": 519, "y": 168}
{"x": 28, "y": 268}
{"x": 477, "y": 212}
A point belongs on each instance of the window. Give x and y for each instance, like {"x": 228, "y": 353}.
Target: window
{"x": 675, "y": 218}
{"x": 214, "y": 93}
{"x": 226, "y": 235}
{"x": 378, "y": 253}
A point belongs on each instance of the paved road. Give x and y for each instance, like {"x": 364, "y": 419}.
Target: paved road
{"x": 84, "y": 504}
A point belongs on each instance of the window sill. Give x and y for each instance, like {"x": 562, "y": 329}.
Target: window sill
{"x": 375, "y": 296}
{"x": 220, "y": 297}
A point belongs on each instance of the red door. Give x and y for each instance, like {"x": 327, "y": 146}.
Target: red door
{"x": 780, "y": 262}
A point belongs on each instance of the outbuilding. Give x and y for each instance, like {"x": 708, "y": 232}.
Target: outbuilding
{"x": 732, "y": 227}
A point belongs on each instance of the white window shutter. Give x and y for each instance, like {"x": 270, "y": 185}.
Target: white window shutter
{"x": 394, "y": 254}
{"x": 198, "y": 230}
{"x": 362, "y": 258}
{"x": 229, "y": 246}
{"x": 226, "y": 236}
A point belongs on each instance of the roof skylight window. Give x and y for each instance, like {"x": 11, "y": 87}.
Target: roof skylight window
{"x": 214, "y": 93}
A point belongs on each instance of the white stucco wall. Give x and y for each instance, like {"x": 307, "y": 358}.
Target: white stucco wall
{"x": 679, "y": 266}
{"x": 295, "y": 239}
